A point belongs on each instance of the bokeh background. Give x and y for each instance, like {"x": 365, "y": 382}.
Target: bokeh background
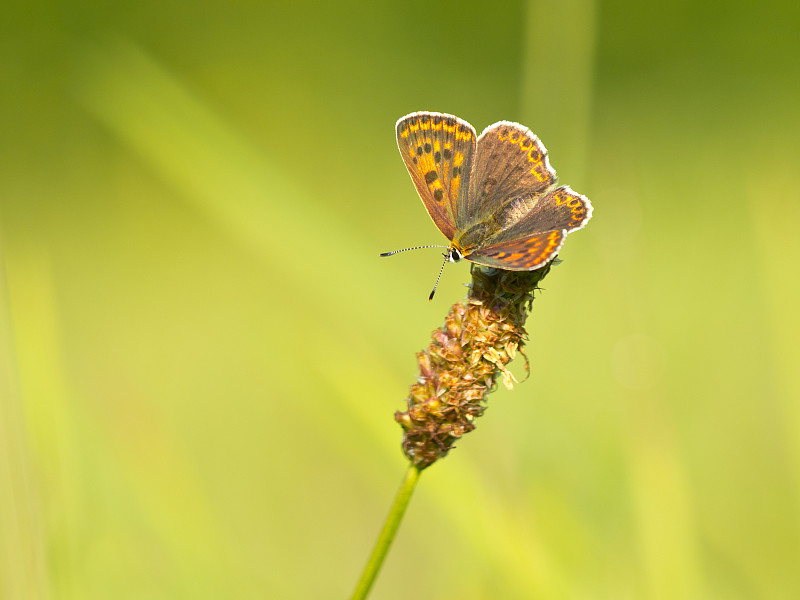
{"x": 201, "y": 352}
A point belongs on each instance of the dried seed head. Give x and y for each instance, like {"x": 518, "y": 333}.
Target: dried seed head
{"x": 461, "y": 365}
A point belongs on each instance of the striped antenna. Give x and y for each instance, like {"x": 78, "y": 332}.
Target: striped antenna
{"x": 435, "y": 285}
{"x": 414, "y": 248}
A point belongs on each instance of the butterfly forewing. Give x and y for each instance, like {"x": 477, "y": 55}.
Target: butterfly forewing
{"x": 438, "y": 150}
{"x": 510, "y": 162}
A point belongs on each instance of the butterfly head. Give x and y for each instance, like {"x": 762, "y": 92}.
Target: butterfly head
{"x": 453, "y": 254}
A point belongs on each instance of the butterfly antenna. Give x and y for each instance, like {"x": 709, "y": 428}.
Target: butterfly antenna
{"x": 414, "y": 248}
{"x": 435, "y": 285}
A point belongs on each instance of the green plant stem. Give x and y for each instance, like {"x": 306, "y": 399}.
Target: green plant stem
{"x": 387, "y": 534}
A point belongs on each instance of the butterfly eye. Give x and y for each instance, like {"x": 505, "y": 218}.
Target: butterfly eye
{"x": 454, "y": 255}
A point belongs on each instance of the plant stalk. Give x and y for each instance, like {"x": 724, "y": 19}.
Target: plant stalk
{"x": 388, "y": 532}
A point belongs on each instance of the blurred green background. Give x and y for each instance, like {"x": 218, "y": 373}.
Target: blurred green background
{"x": 201, "y": 352}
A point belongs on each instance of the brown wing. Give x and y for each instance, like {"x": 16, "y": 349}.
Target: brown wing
{"x": 532, "y": 230}
{"x": 560, "y": 208}
{"x": 438, "y": 150}
{"x": 525, "y": 254}
{"x": 510, "y": 162}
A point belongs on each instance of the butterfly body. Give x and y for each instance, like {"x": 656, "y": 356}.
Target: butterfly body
{"x": 494, "y": 196}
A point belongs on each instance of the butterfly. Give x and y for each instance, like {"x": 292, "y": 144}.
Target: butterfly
{"x": 494, "y": 196}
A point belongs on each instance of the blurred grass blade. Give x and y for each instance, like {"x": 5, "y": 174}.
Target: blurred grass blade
{"x": 23, "y": 544}
{"x": 558, "y": 80}
{"x": 223, "y": 175}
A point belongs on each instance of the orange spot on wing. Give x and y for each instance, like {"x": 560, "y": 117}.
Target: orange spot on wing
{"x": 535, "y": 156}
{"x": 455, "y": 184}
{"x": 425, "y": 164}
{"x": 539, "y": 176}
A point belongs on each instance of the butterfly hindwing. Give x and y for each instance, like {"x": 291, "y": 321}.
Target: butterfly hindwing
{"x": 535, "y": 231}
{"x": 521, "y": 254}
{"x": 560, "y": 208}
{"x": 438, "y": 150}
